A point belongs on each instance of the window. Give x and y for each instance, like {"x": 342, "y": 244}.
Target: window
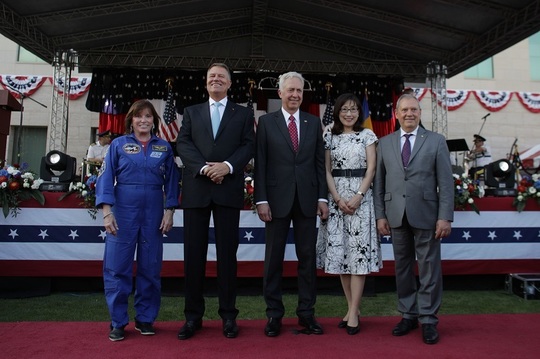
{"x": 534, "y": 56}
{"x": 483, "y": 70}
{"x": 28, "y": 57}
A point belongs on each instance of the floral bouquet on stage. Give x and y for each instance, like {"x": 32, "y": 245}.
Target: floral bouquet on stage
{"x": 464, "y": 192}
{"x": 18, "y": 184}
{"x": 87, "y": 192}
{"x": 528, "y": 187}
{"x": 249, "y": 187}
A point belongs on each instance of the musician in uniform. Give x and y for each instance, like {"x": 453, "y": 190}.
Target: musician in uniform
{"x": 479, "y": 156}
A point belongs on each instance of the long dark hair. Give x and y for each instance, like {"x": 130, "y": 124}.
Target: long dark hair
{"x": 337, "y": 127}
{"x": 135, "y": 109}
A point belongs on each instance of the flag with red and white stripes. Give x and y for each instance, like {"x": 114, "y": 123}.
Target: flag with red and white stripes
{"x": 170, "y": 123}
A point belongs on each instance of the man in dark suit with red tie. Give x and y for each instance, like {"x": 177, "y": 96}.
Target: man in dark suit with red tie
{"x": 215, "y": 143}
{"x": 290, "y": 185}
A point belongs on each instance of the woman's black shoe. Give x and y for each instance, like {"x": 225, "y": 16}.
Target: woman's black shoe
{"x": 353, "y": 330}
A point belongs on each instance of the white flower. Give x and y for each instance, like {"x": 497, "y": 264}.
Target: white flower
{"x": 520, "y": 198}
{"x": 84, "y": 193}
{"x": 79, "y": 185}
{"x": 470, "y": 201}
{"x": 535, "y": 177}
{"x": 248, "y": 179}
{"x": 531, "y": 190}
{"x": 456, "y": 176}
{"x": 3, "y": 185}
{"x": 26, "y": 184}
{"x": 37, "y": 183}
{"x": 458, "y": 187}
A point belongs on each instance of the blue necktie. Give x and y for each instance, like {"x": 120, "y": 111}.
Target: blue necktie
{"x": 215, "y": 118}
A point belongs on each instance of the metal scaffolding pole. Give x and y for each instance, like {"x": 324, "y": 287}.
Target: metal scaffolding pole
{"x": 64, "y": 62}
{"x": 436, "y": 76}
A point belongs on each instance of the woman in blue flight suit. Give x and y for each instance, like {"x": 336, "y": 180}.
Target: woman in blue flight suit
{"x": 138, "y": 189}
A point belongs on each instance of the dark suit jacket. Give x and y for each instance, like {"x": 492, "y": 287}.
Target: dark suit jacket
{"x": 235, "y": 143}
{"x": 280, "y": 172}
{"x": 425, "y": 190}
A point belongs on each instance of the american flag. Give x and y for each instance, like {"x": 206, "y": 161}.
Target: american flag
{"x": 328, "y": 117}
{"x": 169, "y": 121}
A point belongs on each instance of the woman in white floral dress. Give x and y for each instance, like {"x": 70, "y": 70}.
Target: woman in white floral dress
{"x": 348, "y": 243}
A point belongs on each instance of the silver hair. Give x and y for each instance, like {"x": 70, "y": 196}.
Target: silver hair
{"x": 289, "y": 75}
{"x": 407, "y": 96}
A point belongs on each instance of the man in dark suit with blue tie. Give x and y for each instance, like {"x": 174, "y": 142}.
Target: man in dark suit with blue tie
{"x": 290, "y": 185}
{"x": 414, "y": 202}
{"x": 215, "y": 143}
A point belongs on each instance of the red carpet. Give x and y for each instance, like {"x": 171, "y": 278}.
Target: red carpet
{"x": 462, "y": 336}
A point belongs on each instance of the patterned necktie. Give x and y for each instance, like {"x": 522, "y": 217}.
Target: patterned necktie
{"x": 293, "y": 131}
{"x": 406, "y": 151}
{"x": 215, "y": 118}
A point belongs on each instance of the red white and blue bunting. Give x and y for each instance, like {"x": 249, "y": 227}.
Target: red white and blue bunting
{"x": 28, "y": 85}
{"x": 490, "y": 100}
{"x": 531, "y": 101}
{"x": 25, "y": 85}
{"x": 493, "y": 100}
{"x": 456, "y": 98}
{"x": 78, "y": 86}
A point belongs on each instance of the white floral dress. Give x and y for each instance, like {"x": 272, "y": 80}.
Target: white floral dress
{"x": 349, "y": 244}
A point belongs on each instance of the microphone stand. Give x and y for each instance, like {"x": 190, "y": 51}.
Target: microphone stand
{"x": 19, "y": 132}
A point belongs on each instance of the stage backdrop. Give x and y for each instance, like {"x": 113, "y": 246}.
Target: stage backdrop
{"x": 62, "y": 239}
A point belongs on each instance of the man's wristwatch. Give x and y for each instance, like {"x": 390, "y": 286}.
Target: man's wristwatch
{"x": 361, "y": 193}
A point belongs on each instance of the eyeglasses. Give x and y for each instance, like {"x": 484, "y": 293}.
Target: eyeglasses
{"x": 345, "y": 110}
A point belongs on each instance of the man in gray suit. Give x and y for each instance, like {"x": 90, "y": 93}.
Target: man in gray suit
{"x": 290, "y": 185}
{"x": 414, "y": 202}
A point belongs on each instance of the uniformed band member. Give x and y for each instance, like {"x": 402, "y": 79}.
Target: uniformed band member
{"x": 479, "y": 156}
{"x": 138, "y": 189}
{"x": 96, "y": 151}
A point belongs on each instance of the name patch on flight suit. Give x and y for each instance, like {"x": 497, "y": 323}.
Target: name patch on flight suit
{"x": 157, "y": 151}
{"x": 131, "y": 148}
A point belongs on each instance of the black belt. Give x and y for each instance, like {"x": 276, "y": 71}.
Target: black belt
{"x": 357, "y": 172}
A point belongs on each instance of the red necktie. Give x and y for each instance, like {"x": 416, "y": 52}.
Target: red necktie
{"x": 406, "y": 151}
{"x": 293, "y": 131}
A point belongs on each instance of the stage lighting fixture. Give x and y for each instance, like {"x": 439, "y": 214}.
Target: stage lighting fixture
{"x": 57, "y": 171}
{"x": 501, "y": 176}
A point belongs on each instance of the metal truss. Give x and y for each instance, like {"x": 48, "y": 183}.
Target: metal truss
{"x": 410, "y": 70}
{"x": 436, "y": 75}
{"x": 64, "y": 62}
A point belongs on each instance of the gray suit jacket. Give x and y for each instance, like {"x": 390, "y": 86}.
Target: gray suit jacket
{"x": 280, "y": 173}
{"x": 425, "y": 190}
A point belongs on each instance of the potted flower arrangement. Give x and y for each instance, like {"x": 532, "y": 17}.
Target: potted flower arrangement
{"x": 528, "y": 187}
{"x": 249, "y": 187}
{"x": 86, "y": 191}
{"x": 17, "y": 184}
{"x": 464, "y": 192}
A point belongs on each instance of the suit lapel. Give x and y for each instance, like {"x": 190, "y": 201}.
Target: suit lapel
{"x": 421, "y": 136}
{"x": 304, "y": 124}
{"x": 281, "y": 125}
{"x": 228, "y": 114}
{"x": 204, "y": 113}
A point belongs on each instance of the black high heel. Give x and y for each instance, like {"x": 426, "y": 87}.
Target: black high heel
{"x": 353, "y": 330}
{"x": 342, "y": 324}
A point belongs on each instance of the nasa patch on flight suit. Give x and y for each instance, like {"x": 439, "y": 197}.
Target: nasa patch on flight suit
{"x": 131, "y": 148}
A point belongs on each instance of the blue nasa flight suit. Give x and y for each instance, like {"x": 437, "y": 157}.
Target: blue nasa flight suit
{"x": 138, "y": 184}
